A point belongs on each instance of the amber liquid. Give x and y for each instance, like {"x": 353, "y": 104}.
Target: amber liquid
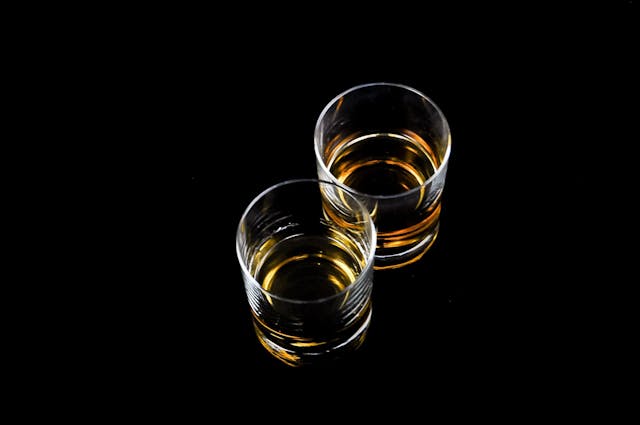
{"x": 309, "y": 267}
{"x": 381, "y": 165}
{"x": 319, "y": 269}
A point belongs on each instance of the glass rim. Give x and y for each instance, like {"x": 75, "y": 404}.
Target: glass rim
{"x": 320, "y": 160}
{"x": 369, "y": 261}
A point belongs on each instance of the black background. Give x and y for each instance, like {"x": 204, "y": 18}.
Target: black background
{"x": 535, "y": 99}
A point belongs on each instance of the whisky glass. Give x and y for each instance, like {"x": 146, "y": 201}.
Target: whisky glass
{"x": 306, "y": 250}
{"x": 389, "y": 145}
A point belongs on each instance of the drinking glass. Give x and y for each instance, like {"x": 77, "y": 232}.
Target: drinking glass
{"x": 389, "y": 145}
{"x": 306, "y": 251}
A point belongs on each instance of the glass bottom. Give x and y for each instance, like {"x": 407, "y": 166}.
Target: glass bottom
{"x": 401, "y": 259}
{"x": 313, "y": 354}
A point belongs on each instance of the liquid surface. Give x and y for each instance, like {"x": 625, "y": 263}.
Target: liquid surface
{"x": 383, "y": 163}
{"x": 309, "y": 267}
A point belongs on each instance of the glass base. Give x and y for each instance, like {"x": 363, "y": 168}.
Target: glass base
{"x": 314, "y": 354}
{"x": 395, "y": 261}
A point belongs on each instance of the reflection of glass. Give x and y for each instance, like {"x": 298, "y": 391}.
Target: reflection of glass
{"x": 389, "y": 145}
{"x": 306, "y": 252}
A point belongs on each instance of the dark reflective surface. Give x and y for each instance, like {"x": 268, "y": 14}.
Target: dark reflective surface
{"x": 502, "y": 294}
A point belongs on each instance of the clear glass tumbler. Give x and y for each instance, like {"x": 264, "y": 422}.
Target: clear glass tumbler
{"x": 306, "y": 251}
{"x": 389, "y": 145}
